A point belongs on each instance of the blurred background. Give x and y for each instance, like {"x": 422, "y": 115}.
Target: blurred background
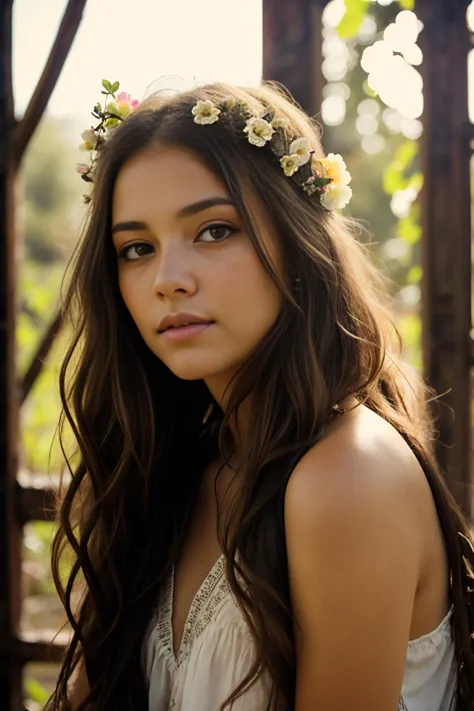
{"x": 371, "y": 111}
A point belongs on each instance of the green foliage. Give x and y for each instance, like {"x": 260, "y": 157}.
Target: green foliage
{"x": 36, "y": 691}
{"x": 410, "y": 326}
{"x": 415, "y": 274}
{"x": 356, "y": 10}
{"x": 109, "y": 87}
{"x": 401, "y": 175}
{"x": 353, "y": 17}
{"x": 409, "y": 228}
{"x": 49, "y": 186}
{"x": 395, "y": 176}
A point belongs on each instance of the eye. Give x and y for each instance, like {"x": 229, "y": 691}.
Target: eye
{"x": 216, "y": 233}
{"x": 135, "y": 251}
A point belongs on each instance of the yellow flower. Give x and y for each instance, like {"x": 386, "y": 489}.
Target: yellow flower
{"x": 301, "y": 148}
{"x": 336, "y": 197}
{"x": 290, "y": 164}
{"x": 335, "y": 169}
{"x": 205, "y": 112}
{"x": 258, "y": 131}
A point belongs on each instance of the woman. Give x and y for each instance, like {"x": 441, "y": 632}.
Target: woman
{"x": 255, "y": 508}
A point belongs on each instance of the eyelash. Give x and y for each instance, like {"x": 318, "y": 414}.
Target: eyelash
{"x": 123, "y": 254}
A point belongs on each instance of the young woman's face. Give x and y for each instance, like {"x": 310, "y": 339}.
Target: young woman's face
{"x": 182, "y": 249}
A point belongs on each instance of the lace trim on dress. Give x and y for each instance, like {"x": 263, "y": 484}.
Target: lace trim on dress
{"x": 206, "y": 601}
{"x": 164, "y": 614}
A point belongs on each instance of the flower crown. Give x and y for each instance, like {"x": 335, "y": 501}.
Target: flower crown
{"x": 110, "y": 115}
{"x": 326, "y": 178}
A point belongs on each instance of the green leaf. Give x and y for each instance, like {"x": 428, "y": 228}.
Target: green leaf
{"x": 107, "y": 85}
{"x": 407, "y": 4}
{"x": 352, "y": 19}
{"x": 115, "y": 87}
{"x": 111, "y": 122}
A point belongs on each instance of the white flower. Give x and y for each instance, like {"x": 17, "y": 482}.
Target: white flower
{"x": 336, "y": 197}
{"x": 290, "y": 164}
{"x": 301, "y": 148}
{"x": 336, "y": 169}
{"x": 205, "y": 112}
{"x": 258, "y": 131}
{"x": 90, "y": 140}
{"x": 280, "y": 122}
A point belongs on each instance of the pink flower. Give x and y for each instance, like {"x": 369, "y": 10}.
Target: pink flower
{"x": 126, "y": 98}
{"x": 82, "y": 168}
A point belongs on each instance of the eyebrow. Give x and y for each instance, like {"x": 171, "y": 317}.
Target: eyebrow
{"x": 186, "y": 211}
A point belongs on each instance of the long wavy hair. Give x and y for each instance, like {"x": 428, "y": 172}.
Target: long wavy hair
{"x": 144, "y": 436}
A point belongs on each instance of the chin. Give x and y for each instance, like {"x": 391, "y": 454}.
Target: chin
{"x": 188, "y": 368}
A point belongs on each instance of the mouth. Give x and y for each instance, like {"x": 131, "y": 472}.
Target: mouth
{"x": 185, "y": 331}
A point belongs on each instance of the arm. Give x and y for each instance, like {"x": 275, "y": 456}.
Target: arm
{"x": 354, "y": 555}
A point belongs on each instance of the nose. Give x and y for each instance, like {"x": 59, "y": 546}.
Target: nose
{"x": 174, "y": 275}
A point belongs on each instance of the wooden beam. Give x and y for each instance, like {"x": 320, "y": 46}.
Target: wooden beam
{"x": 38, "y": 651}
{"x": 35, "y": 504}
{"x": 292, "y": 55}
{"x": 446, "y": 242}
{"x": 35, "y": 647}
{"x": 10, "y": 531}
{"x": 52, "y": 69}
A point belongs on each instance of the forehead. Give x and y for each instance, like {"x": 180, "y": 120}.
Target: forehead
{"x": 162, "y": 178}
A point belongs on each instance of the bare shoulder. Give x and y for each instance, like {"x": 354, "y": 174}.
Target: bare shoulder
{"x": 363, "y": 465}
{"x": 358, "y": 514}
{"x": 355, "y": 549}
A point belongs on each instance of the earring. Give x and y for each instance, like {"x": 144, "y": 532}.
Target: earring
{"x": 296, "y": 284}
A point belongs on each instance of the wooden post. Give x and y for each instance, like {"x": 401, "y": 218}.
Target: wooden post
{"x": 10, "y": 530}
{"x": 446, "y": 243}
{"x": 292, "y": 39}
{"x": 14, "y": 139}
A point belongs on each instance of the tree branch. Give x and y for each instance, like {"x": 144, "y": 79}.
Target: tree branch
{"x": 53, "y": 67}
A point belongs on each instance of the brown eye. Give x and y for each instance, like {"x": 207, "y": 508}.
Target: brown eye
{"x": 132, "y": 252}
{"x": 216, "y": 233}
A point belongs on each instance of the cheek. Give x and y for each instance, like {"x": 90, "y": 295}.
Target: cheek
{"x": 250, "y": 293}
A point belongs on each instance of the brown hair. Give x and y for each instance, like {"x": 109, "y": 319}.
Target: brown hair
{"x": 127, "y": 506}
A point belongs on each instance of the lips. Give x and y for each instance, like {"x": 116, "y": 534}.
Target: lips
{"x": 183, "y": 325}
{"x": 183, "y": 334}
{"x": 181, "y": 320}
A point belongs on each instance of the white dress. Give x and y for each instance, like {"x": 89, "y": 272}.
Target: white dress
{"x": 216, "y": 653}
